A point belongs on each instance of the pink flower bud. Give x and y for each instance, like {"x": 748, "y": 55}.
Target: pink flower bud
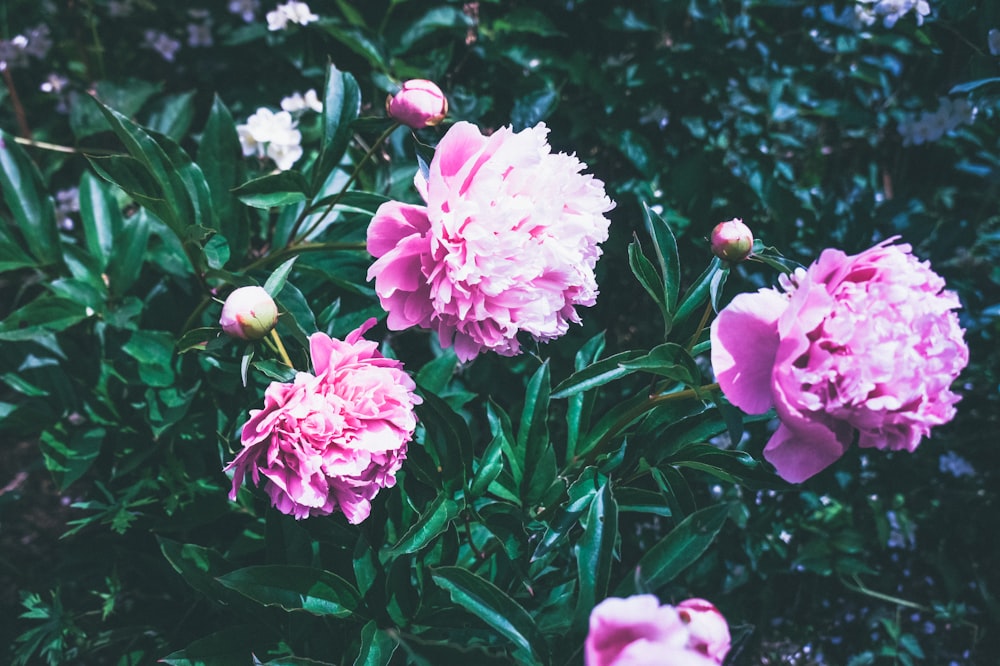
{"x": 708, "y": 632}
{"x": 420, "y": 103}
{"x": 732, "y": 241}
{"x": 249, "y": 313}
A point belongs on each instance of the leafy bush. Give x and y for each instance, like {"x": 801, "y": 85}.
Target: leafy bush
{"x": 603, "y": 464}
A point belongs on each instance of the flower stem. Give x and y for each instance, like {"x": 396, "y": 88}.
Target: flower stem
{"x": 701, "y": 325}
{"x": 15, "y": 100}
{"x": 281, "y": 348}
{"x": 299, "y": 249}
{"x": 294, "y": 235}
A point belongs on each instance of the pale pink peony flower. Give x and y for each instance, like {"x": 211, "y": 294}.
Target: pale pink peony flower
{"x": 865, "y": 343}
{"x": 708, "y": 631}
{"x": 638, "y": 631}
{"x": 507, "y": 242}
{"x": 332, "y": 440}
{"x": 420, "y": 103}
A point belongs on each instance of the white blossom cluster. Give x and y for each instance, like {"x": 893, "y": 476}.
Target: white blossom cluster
{"x": 890, "y": 11}
{"x": 272, "y": 135}
{"x": 297, "y": 102}
{"x": 932, "y": 125}
{"x": 290, "y": 12}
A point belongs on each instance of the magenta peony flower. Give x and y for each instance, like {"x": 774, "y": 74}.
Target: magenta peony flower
{"x": 866, "y": 343}
{"x": 331, "y": 440}
{"x": 638, "y": 631}
{"x": 507, "y": 242}
{"x": 420, "y": 103}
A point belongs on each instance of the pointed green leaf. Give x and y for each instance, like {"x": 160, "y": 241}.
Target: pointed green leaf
{"x": 128, "y": 253}
{"x": 666, "y": 255}
{"x": 647, "y": 276}
{"x": 675, "y": 552}
{"x": 341, "y": 105}
{"x": 580, "y": 495}
{"x": 25, "y": 195}
{"x": 44, "y": 314}
{"x": 377, "y": 646}
{"x": 432, "y": 522}
{"x": 501, "y": 427}
{"x": 219, "y": 158}
{"x": 595, "y": 552}
{"x": 533, "y": 437}
{"x": 101, "y": 216}
{"x": 276, "y": 280}
{"x": 230, "y": 647}
{"x": 667, "y": 360}
{"x": 295, "y": 588}
{"x": 597, "y": 374}
{"x": 12, "y": 257}
{"x": 448, "y": 440}
{"x": 494, "y": 607}
{"x": 696, "y": 294}
{"x": 274, "y": 190}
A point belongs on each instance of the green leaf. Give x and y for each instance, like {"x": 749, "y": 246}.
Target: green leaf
{"x": 533, "y": 437}
{"x": 44, "y": 314}
{"x": 179, "y": 209}
{"x": 581, "y": 493}
{"x": 128, "y": 253}
{"x": 500, "y": 427}
{"x": 494, "y": 607}
{"x": 597, "y": 374}
{"x": 25, "y": 194}
{"x": 644, "y": 272}
{"x": 341, "y": 105}
{"x": 219, "y": 159}
{"x": 276, "y": 280}
{"x": 667, "y": 360}
{"x": 432, "y": 522}
{"x": 101, "y": 216}
{"x": 969, "y": 86}
{"x": 355, "y": 201}
{"x": 134, "y": 179}
{"x": 274, "y": 190}
{"x": 12, "y": 257}
{"x": 198, "y": 565}
{"x": 448, "y": 440}
{"x": 69, "y": 460}
{"x": 490, "y": 466}
{"x": 595, "y": 552}
{"x": 171, "y": 115}
{"x": 437, "y": 373}
{"x": 295, "y": 588}
{"x": 272, "y": 369}
{"x": 229, "y": 647}
{"x": 666, "y": 255}
{"x": 377, "y": 646}
{"x": 675, "y": 552}
{"x": 696, "y": 294}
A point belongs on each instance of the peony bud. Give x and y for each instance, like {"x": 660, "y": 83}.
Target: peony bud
{"x": 708, "y": 632}
{"x": 732, "y": 241}
{"x": 420, "y": 103}
{"x": 249, "y": 313}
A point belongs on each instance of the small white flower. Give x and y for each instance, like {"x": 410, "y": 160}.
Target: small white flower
{"x": 298, "y": 102}
{"x": 290, "y": 12}
{"x": 273, "y": 135}
{"x": 162, "y": 43}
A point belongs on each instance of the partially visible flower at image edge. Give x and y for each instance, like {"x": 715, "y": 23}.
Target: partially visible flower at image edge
{"x": 866, "y": 344}
{"x": 290, "y": 12}
{"x": 330, "y": 441}
{"x": 638, "y": 631}
{"x": 506, "y": 244}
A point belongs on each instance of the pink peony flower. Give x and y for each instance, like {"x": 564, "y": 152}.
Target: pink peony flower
{"x": 507, "y": 242}
{"x": 638, "y": 631}
{"x": 420, "y": 103}
{"x": 331, "y": 440}
{"x": 865, "y": 343}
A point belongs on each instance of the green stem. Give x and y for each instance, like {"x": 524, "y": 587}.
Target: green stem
{"x": 628, "y": 417}
{"x": 44, "y": 145}
{"x": 294, "y": 235}
{"x": 281, "y": 348}
{"x": 701, "y": 325}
